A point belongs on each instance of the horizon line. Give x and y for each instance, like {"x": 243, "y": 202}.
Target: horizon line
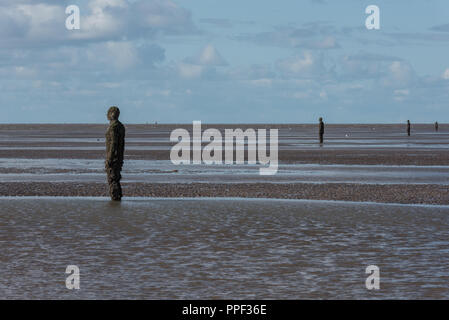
{"x": 217, "y": 123}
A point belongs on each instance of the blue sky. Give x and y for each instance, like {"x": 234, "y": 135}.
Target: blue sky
{"x": 222, "y": 61}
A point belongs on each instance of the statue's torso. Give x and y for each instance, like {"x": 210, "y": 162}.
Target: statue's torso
{"x": 321, "y": 127}
{"x": 115, "y": 142}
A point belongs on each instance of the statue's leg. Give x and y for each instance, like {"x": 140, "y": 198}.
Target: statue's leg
{"x": 115, "y": 189}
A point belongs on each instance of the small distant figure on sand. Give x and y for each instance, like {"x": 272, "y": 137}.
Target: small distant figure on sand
{"x": 436, "y": 126}
{"x": 408, "y": 128}
{"x": 115, "y": 147}
{"x": 321, "y": 130}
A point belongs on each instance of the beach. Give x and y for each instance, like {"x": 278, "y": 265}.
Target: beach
{"x": 366, "y": 163}
{"x": 369, "y": 196}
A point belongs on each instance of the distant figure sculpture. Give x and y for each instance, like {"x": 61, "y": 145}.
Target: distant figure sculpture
{"x": 408, "y": 127}
{"x": 115, "y": 147}
{"x": 436, "y": 126}
{"x": 321, "y": 128}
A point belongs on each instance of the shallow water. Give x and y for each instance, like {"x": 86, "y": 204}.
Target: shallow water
{"x": 228, "y": 248}
{"x": 294, "y": 137}
{"x": 70, "y": 143}
{"x": 163, "y": 171}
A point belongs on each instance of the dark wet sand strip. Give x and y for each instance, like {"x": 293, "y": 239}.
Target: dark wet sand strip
{"x": 320, "y": 156}
{"x": 406, "y": 194}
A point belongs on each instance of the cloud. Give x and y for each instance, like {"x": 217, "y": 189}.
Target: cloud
{"x": 121, "y": 55}
{"x": 401, "y": 74}
{"x": 297, "y": 65}
{"x": 388, "y": 71}
{"x": 163, "y": 16}
{"x": 309, "y": 36}
{"x": 365, "y": 65}
{"x": 29, "y": 21}
{"x": 309, "y": 65}
{"x": 190, "y": 70}
{"x": 401, "y": 95}
{"x": 209, "y": 56}
{"x": 202, "y": 64}
{"x": 31, "y": 24}
{"x": 445, "y": 74}
{"x": 252, "y": 72}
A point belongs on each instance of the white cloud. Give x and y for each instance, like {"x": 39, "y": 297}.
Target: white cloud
{"x": 445, "y": 74}
{"x": 401, "y": 94}
{"x": 99, "y": 5}
{"x": 121, "y": 55}
{"x": 297, "y": 65}
{"x": 163, "y": 15}
{"x": 29, "y": 21}
{"x": 209, "y": 56}
{"x": 202, "y": 64}
{"x": 25, "y": 72}
{"x": 187, "y": 70}
{"x": 36, "y": 24}
{"x": 400, "y": 74}
{"x": 101, "y": 23}
{"x": 310, "y": 65}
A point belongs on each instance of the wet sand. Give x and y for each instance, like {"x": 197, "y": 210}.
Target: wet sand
{"x": 408, "y": 194}
{"x": 344, "y": 145}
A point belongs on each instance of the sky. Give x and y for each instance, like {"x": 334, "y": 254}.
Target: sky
{"x": 224, "y": 61}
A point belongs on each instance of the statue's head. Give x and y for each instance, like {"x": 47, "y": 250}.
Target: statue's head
{"x": 113, "y": 113}
{"x": 320, "y": 119}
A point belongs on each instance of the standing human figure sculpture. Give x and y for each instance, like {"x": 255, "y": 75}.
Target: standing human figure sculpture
{"x": 436, "y": 126}
{"x": 321, "y": 130}
{"x": 408, "y": 127}
{"x": 115, "y": 147}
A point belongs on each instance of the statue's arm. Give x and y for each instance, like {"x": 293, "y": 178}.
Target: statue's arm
{"x": 121, "y": 144}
